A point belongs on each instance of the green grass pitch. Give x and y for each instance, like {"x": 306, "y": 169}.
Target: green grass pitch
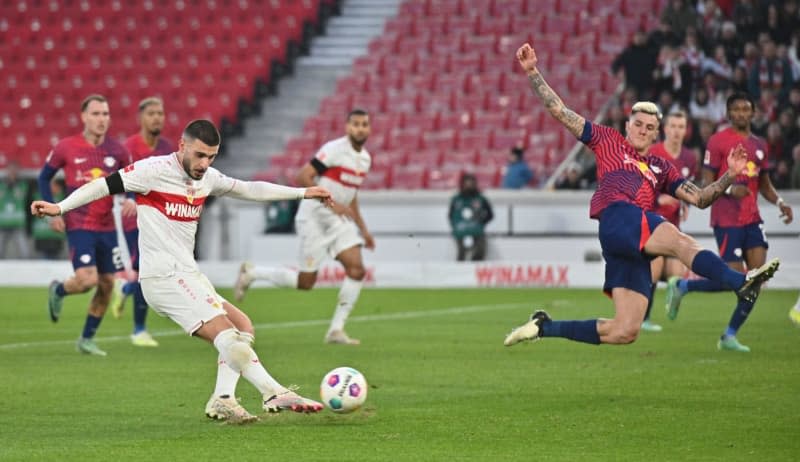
{"x": 442, "y": 386}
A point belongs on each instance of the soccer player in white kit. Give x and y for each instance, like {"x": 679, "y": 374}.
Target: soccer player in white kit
{"x": 338, "y": 231}
{"x": 171, "y": 191}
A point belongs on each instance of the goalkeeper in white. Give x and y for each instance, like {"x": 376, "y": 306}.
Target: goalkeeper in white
{"x": 170, "y": 193}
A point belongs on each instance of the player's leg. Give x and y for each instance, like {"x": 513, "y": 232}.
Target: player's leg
{"x": 729, "y": 242}
{"x": 84, "y": 278}
{"x": 227, "y": 378}
{"x": 348, "y": 295}
{"x": 755, "y": 255}
{"x": 794, "y": 313}
{"x": 657, "y": 270}
{"x": 479, "y": 248}
{"x": 276, "y": 275}
{"x": 126, "y": 286}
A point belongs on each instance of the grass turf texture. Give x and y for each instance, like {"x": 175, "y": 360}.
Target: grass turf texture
{"x": 442, "y": 386}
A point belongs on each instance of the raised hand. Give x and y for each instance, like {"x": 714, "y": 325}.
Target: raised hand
{"x": 44, "y": 209}
{"x": 737, "y": 160}
{"x": 526, "y": 56}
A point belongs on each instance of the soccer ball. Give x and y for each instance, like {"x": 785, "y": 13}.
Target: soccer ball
{"x": 343, "y": 390}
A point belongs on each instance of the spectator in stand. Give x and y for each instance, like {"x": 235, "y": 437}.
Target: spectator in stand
{"x": 775, "y": 145}
{"x": 15, "y": 195}
{"x": 673, "y": 74}
{"x": 637, "y": 62}
{"x": 794, "y": 100}
{"x": 702, "y": 108}
{"x": 666, "y": 102}
{"x": 739, "y": 79}
{"x": 746, "y": 17}
{"x": 711, "y": 17}
{"x": 717, "y": 64}
{"x": 789, "y": 17}
{"x": 774, "y": 28}
{"x": 793, "y": 55}
{"x": 518, "y": 173}
{"x": 571, "y": 178}
{"x": 781, "y": 175}
{"x": 790, "y": 132}
{"x": 680, "y": 15}
{"x": 730, "y": 42}
{"x": 770, "y": 71}
{"x": 795, "y": 174}
{"x": 766, "y": 112}
{"x": 663, "y": 35}
{"x": 469, "y": 214}
{"x": 616, "y": 118}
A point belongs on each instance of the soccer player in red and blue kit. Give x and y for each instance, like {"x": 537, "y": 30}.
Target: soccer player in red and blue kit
{"x": 91, "y": 233}
{"x": 735, "y": 217}
{"x": 148, "y": 142}
{"x": 685, "y": 162}
{"x": 631, "y": 234}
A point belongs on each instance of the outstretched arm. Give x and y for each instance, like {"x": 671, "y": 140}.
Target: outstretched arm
{"x": 702, "y": 198}
{"x": 90, "y": 192}
{"x": 526, "y": 56}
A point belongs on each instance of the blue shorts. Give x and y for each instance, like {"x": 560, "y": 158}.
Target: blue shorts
{"x": 95, "y": 248}
{"x": 624, "y": 231}
{"x": 733, "y": 242}
{"x": 132, "y": 238}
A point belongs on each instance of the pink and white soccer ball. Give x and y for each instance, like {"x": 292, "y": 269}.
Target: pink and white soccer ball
{"x": 343, "y": 390}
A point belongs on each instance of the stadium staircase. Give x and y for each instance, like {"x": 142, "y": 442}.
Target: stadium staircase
{"x": 299, "y": 94}
{"x": 446, "y": 95}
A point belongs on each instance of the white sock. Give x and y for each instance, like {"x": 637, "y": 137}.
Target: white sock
{"x": 348, "y": 295}
{"x": 280, "y": 277}
{"x": 235, "y": 350}
{"x": 227, "y": 379}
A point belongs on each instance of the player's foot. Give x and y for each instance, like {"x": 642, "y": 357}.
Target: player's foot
{"x": 143, "y": 339}
{"x": 729, "y": 343}
{"x": 528, "y": 331}
{"x": 243, "y": 281}
{"x": 648, "y": 326}
{"x": 54, "y": 301}
{"x": 794, "y": 315}
{"x": 117, "y": 302}
{"x": 340, "y": 337}
{"x": 755, "y": 278}
{"x": 228, "y": 409}
{"x": 674, "y": 296}
{"x": 87, "y": 346}
{"x": 290, "y": 401}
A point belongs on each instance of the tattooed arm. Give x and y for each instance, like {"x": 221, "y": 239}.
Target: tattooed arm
{"x": 574, "y": 122}
{"x": 702, "y": 198}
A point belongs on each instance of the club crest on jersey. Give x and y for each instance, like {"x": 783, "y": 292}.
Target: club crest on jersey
{"x": 109, "y": 161}
{"x": 190, "y": 192}
{"x": 752, "y": 170}
{"x": 760, "y": 154}
{"x": 644, "y": 169}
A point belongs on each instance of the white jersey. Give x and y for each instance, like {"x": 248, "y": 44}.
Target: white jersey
{"x": 342, "y": 171}
{"x": 169, "y": 204}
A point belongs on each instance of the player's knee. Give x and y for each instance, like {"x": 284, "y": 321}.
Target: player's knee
{"x": 356, "y": 272}
{"x": 628, "y": 334}
{"x": 305, "y": 284}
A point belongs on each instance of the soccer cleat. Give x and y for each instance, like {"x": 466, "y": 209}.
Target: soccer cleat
{"x": 117, "y": 302}
{"x": 87, "y": 346}
{"x": 755, "y": 278}
{"x": 290, "y": 401}
{"x": 143, "y": 339}
{"x": 54, "y": 302}
{"x": 731, "y": 344}
{"x": 648, "y": 326}
{"x": 228, "y": 409}
{"x": 243, "y": 281}
{"x": 794, "y": 315}
{"x": 674, "y": 296}
{"x": 528, "y": 331}
{"x": 340, "y": 337}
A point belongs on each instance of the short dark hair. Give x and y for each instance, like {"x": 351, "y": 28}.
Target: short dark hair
{"x": 518, "y": 152}
{"x": 357, "y": 112}
{"x": 203, "y": 130}
{"x": 739, "y": 96}
{"x": 149, "y": 101}
{"x": 90, "y": 98}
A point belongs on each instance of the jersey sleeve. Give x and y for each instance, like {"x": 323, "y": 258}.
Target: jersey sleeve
{"x": 138, "y": 176}
{"x": 672, "y": 178}
{"x": 713, "y": 156}
{"x": 322, "y": 159}
{"x": 56, "y": 159}
{"x": 595, "y": 135}
{"x": 221, "y": 184}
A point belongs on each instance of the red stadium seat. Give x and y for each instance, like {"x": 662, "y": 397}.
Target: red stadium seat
{"x": 409, "y": 177}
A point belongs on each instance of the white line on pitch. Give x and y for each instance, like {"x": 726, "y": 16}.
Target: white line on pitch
{"x": 290, "y": 324}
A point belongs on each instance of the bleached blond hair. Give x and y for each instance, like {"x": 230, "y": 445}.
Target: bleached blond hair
{"x": 647, "y": 107}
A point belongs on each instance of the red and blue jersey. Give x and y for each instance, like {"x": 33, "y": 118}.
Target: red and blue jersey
{"x": 686, "y": 164}
{"x": 728, "y": 211}
{"x": 139, "y": 150}
{"x": 623, "y": 175}
{"x": 83, "y": 162}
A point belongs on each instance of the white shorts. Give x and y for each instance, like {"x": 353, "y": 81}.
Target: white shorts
{"x": 189, "y": 299}
{"x": 317, "y": 243}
